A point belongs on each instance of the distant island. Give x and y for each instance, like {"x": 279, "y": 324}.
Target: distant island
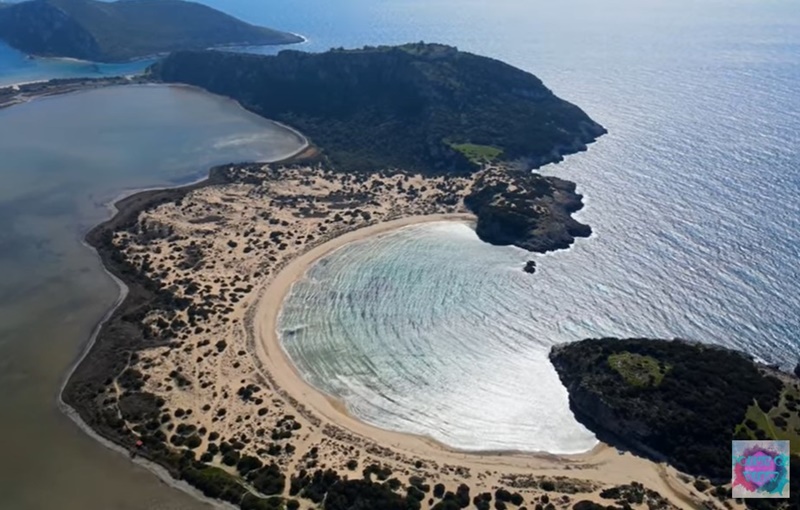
{"x": 681, "y": 402}
{"x": 188, "y": 370}
{"x": 124, "y": 30}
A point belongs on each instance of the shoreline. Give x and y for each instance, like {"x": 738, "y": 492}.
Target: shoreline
{"x": 325, "y": 420}
{"x": 269, "y": 307}
{"x": 326, "y": 414}
{"x": 266, "y": 318}
{"x": 119, "y": 206}
{"x": 276, "y": 365}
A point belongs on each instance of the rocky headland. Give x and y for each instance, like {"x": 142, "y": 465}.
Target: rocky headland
{"x": 681, "y": 402}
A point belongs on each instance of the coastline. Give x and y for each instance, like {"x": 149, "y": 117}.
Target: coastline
{"x": 264, "y": 318}
{"x": 601, "y": 466}
{"x": 325, "y": 418}
{"x": 126, "y": 203}
{"x": 261, "y": 326}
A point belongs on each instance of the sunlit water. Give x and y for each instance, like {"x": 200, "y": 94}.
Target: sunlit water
{"x": 692, "y": 196}
{"x": 424, "y": 330}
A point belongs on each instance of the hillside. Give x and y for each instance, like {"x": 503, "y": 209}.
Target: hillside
{"x": 124, "y": 30}
{"x": 679, "y": 401}
{"x": 421, "y": 107}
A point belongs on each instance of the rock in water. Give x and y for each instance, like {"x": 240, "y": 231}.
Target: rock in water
{"x": 530, "y": 267}
{"x": 797, "y": 370}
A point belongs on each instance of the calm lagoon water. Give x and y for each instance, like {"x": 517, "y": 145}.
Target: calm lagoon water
{"x": 62, "y": 160}
{"x": 692, "y": 196}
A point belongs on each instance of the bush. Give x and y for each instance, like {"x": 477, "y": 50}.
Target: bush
{"x": 253, "y": 502}
{"x": 247, "y": 464}
{"x": 231, "y": 458}
{"x": 193, "y": 441}
{"x": 268, "y": 480}
{"x": 214, "y": 483}
{"x": 367, "y": 495}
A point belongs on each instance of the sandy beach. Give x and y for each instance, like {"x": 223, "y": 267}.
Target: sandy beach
{"x": 228, "y": 254}
{"x": 603, "y": 464}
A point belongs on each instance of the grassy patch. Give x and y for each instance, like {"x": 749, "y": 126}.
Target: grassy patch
{"x": 638, "y": 370}
{"x": 478, "y": 153}
{"x": 781, "y": 423}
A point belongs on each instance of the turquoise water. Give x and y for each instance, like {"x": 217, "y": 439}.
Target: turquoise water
{"x": 416, "y": 338}
{"x": 692, "y": 196}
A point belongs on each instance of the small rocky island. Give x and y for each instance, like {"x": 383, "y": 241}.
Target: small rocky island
{"x": 681, "y": 402}
{"x": 124, "y": 30}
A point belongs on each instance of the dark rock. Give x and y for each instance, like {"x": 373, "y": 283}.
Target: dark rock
{"x": 530, "y": 267}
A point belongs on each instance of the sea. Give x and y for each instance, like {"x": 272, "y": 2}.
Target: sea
{"x": 691, "y": 195}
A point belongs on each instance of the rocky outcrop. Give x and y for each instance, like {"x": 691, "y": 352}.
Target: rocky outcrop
{"x": 530, "y": 267}
{"x": 527, "y": 210}
{"x": 667, "y": 399}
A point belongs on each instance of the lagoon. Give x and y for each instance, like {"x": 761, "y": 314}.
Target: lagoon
{"x": 64, "y": 159}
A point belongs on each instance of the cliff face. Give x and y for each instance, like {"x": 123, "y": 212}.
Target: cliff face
{"x": 421, "y": 107}
{"x": 124, "y": 30}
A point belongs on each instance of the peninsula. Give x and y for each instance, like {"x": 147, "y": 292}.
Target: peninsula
{"x": 125, "y": 30}
{"x": 188, "y": 370}
{"x": 682, "y": 402}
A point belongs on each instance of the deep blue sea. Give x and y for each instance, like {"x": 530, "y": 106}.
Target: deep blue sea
{"x": 692, "y": 196}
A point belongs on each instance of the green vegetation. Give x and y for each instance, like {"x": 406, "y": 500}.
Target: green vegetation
{"x": 214, "y": 482}
{"x": 399, "y": 107}
{"x": 781, "y": 422}
{"x": 478, "y": 153}
{"x": 124, "y": 30}
{"x": 638, "y": 370}
{"x": 688, "y": 417}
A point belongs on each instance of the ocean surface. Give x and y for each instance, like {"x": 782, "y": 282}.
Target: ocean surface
{"x": 692, "y": 197}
